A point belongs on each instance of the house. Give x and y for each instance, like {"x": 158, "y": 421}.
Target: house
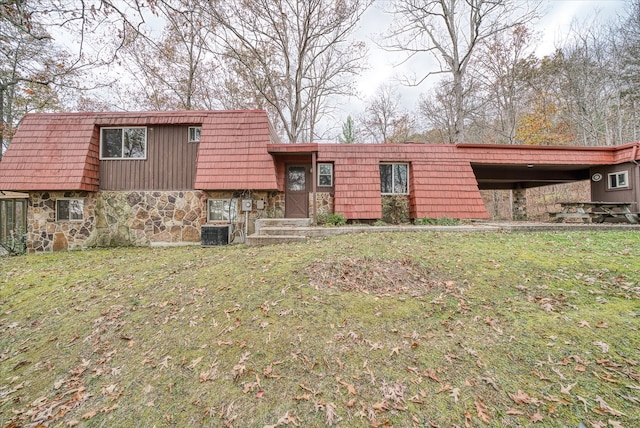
{"x": 156, "y": 178}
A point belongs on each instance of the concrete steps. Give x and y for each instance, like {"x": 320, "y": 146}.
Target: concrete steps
{"x": 270, "y": 231}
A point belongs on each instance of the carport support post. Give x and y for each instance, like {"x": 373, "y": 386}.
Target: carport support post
{"x": 519, "y": 203}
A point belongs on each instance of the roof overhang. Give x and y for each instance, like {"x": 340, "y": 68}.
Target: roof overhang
{"x": 289, "y": 149}
{"x": 522, "y": 176}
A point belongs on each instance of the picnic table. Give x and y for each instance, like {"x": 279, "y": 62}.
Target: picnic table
{"x": 595, "y": 211}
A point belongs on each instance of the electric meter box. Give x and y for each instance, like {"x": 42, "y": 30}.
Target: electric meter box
{"x": 247, "y": 205}
{"x": 260, "y": 204}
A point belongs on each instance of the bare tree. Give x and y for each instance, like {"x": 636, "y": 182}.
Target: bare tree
{"x": 450, "y": 31}
{"x": 175, "y": 70}
{"x": 38, "y": 74}
{"x": 293, "y": 53}
{"x": 499, "y": 72}
{"x": 385, "y": 120}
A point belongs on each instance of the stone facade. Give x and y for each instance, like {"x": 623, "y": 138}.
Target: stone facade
{"x": 148, "y": 217}
{"x": 324, "y": 203}
{"x": 45, "y": 234}
{"x": 519, "y": 204}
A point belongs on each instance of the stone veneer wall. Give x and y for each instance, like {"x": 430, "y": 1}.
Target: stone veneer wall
{"x": 324, "y": 203}
{"x": 140, "y": 218}
{"x": 45, "y": 234}
{"x": 147, "y": 217}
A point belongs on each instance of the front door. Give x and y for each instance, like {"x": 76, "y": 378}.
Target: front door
{"x": 296, "y": 203}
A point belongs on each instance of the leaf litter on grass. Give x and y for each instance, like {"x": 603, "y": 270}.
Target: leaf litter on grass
{"x": 345, "y": 332}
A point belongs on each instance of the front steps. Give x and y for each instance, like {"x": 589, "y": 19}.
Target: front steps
{"x": 271, "y": 231}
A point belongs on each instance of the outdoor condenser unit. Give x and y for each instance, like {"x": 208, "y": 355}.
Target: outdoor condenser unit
{"x": 213, "y": 235}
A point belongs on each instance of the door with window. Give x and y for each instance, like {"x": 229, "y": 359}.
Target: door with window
{"x": 297, "y": 191}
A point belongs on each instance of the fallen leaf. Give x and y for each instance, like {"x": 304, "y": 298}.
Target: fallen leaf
{"x": 330, "y": 409}
{"x": 194, "y": 363}
{"x": 482, "y": 411}
{"x": 490, "y": 382}
{"x": 455, "y": 393}
{"x": 536, "y": 417}
{"x": 381, "y": 406}
{"x": 605, "y": 408}
{"x": 566, "y": 389}
{"x": 584, "y": 324}
{"x": 350, "y": 388}
{"x": 603, "y": 346}
{"x": 583, "y": 401}
{"x": 515, "y": 412}
{"x": 520, "y": 397}
{"x": 89, "y": 414}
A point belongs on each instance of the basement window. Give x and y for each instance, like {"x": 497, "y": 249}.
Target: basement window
{"x": 618, "y": 180}
{"x": 225, "y": 210}
{"x": 69, "y": 209}
{"x": 123, "y": 143}
{"x": 194, "y": 134}
{"x": 394, "y": 178}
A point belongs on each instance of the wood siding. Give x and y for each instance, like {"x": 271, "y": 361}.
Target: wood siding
{"x": 600, "y": 189}
{"x": 170, "y": 163}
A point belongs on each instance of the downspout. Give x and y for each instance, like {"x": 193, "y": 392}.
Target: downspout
{"x": 314, "y": 182}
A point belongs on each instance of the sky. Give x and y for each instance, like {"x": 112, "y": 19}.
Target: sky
{"x": 384, "y": 66}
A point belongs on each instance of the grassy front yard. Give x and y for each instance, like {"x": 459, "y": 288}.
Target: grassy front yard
{"x": 412, "y": 329}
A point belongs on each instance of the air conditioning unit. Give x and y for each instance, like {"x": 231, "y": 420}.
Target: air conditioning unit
{"x": 212, "y": 235}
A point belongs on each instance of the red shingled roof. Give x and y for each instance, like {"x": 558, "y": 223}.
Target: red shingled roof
{"x": 59, "y": 151}
{"x": 52, "y": 152}
{"x": 440, "y": 184}
{"x": 233, "y": 152}
{"x": 546, "y": 155}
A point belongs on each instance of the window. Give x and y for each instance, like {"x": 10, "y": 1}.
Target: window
{"x": 123, "y": 143}
{"x": 394, "y": 178}
{"x": 222, "y": 210}
{"x": 618, "y": 180}
{"x": 69, "y": 209}
{"x": 13, "y": 218}
{"x": 325, "y": 175}
{"x": 194, "y": 134}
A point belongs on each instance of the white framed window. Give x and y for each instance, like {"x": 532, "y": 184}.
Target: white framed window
{"x": 222, "y": 210}
{"x": 69, "y": 209}
{"x": 618, "y": 180}
{"x": 123, "y": 143}
{"x": 194, "y": 133}
{"x": 394, "y": 178}
{"x": 325, "y": 175}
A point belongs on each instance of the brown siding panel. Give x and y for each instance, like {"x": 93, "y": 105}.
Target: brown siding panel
{"x": 170, "y": 163}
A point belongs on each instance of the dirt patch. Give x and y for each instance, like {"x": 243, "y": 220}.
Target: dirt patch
{"x": 374, "y": 276}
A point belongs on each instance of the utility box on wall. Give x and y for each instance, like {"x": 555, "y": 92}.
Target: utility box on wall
{"x": 247, "y": 205}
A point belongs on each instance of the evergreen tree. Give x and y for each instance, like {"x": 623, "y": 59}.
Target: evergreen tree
{"x": 348, "y": 132}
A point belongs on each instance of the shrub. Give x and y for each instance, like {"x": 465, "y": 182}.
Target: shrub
{"x": 15, "y": 244}
{"x": 336, "y": 219}
{"x": 442, "y": 221}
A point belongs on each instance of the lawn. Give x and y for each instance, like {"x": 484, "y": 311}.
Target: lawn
{"x": 370, "y": 330}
